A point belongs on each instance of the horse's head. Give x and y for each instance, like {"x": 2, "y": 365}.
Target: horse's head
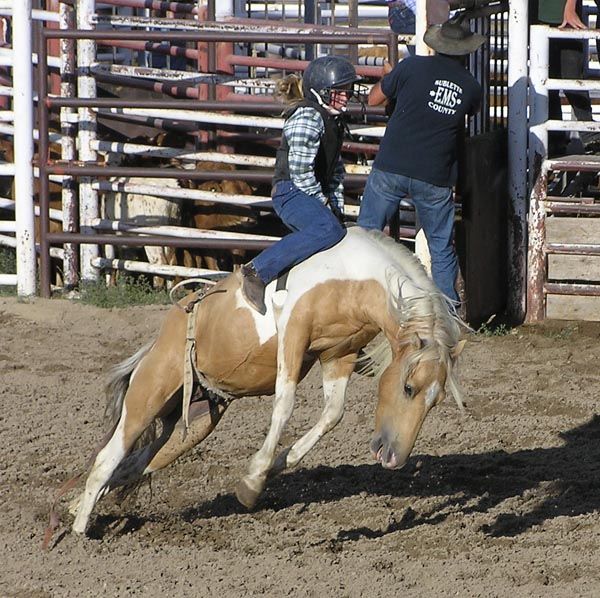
{"x": 413, "y": 383}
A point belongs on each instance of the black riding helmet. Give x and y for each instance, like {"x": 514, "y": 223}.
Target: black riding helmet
{"x": 326, "y": 73}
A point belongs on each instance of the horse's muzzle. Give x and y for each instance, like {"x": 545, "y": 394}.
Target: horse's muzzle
{"x": 383, "y": 451}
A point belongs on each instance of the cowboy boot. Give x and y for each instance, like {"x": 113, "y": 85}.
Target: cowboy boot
{"x": 253, "y": 288}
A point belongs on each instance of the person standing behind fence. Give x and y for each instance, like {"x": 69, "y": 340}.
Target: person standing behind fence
{"x": 417, "y": 154}
{"x": 308, "y": 193}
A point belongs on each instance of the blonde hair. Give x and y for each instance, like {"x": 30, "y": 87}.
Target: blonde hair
{"x": 288, "y": 90}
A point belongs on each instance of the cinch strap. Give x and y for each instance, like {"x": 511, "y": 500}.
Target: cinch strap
{"x": 190, "y": 371}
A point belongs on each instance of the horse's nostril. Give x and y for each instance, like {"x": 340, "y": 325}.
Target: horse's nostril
{"x": 389, "y": 458}
{"x": 376, "y": 445}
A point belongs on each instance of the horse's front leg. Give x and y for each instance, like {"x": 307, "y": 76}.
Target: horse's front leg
{"x": 336, "y": 374}
{"x": 289, "y": 364}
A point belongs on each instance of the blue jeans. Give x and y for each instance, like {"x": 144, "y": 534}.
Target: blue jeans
{"x": 435, "y": 213}
{"x": 314, "y": 228}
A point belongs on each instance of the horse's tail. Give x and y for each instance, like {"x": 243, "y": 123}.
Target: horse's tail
{"x": 118, "y": 383}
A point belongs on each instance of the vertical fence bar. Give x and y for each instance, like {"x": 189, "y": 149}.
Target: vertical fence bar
{"x": 68, "y": 145}
{"x": 536, "y": 254}
{"x": 42, "y": 90}
{"x": 86, "y": 88}
{"x": 310, "y": 17}
{"x": 421, "y": 48}
{"x": 353, "y": 23}
{"x": 212, "y": 50}
{"x": 518, "y": 29}
{"x": 23, "y": 146}
{"x": 393, "y": 48}
{"x": 538, "y": 99}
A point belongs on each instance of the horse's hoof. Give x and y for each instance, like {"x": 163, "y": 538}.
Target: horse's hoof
{"x": 78, "y": 528}
{"x": 246, "y": 495}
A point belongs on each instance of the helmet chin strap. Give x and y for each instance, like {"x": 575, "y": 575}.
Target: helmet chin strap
{"x": 331, "y": 110}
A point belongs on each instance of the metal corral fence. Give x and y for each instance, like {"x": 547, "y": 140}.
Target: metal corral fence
{"x": 221, "y": 69}
{"x": 564, "y": 252}
{"x": 200, "y": 111}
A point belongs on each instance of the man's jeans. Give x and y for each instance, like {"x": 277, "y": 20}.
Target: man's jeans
{"x": 314, "y": 228}
{"x": 435, "y": 213}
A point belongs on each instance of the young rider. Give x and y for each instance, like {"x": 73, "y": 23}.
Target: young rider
{"x": 307, "y": 186}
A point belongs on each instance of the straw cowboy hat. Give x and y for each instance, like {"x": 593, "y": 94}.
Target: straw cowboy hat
{"x": 452, "y": 38}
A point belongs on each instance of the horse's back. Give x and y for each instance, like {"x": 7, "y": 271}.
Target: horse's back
{"x": 361, "y": 255}
{"x": 325, "y": 306}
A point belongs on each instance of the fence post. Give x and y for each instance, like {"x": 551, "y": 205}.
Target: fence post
{"x": 421, "y": 48}
{"x": 23, "y": 146}
{"x": 69, "y": 150}
{"x": 518, "y": 29}
{"x": 538, "y": 97}
{"x": 86, "y": 88}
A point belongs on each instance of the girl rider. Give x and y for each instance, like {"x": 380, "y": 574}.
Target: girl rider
{"x": 307, "y": 184}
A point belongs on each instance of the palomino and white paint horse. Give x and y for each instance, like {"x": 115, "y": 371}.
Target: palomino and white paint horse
{"x": 334, "y": 304}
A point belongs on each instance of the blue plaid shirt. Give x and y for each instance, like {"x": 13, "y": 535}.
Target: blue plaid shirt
{"x": 303, "y": 131}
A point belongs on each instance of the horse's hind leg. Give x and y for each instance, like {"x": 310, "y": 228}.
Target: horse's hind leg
{"x": 336, "y": 374}
{"x": 152, "y": 384}
{"x": 203, "y": 418}
{"x": 172, "y": 443}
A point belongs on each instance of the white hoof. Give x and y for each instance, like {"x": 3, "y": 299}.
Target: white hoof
{"x": 80, "y": 524}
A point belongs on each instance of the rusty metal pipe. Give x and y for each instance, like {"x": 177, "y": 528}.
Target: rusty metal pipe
{"x": 174, "y": 7}
{"x": 220, "y": 36}
{"x": 588, "y": 290}
{"x": 240, "y": 105}
{"x": 142, "y": 240}
{"x": 94, "y": 170}
{"x": 43, "y": 154}
{"x": 573, "y": 249}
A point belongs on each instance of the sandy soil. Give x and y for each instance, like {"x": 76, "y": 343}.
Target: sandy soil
{"x": 501, "y": 502}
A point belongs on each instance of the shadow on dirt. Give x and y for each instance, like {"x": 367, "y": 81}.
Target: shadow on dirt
{"x": 549, "y": 483}
{"x": 569, "y": 476}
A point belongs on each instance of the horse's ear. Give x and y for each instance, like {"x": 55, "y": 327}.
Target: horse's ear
{"x": 458, "y": 348}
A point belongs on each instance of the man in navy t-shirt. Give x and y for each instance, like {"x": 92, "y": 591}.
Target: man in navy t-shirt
{"x": 417, "y": 155}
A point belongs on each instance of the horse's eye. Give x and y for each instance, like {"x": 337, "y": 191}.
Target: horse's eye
{"x": 408, "y": 390}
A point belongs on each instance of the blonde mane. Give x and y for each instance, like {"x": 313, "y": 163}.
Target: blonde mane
{"x": 428, "y": 314}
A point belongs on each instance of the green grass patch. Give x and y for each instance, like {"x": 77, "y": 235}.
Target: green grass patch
{"x": 8, "y": 265}
{"x": 563, "y": 333}
{"x": 491, "y": 330}
{"x": 127, "y": 292}
{"x": 8, "y": 260}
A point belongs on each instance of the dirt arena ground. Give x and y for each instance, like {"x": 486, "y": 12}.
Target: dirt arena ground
{"x": 501, "y": 502}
